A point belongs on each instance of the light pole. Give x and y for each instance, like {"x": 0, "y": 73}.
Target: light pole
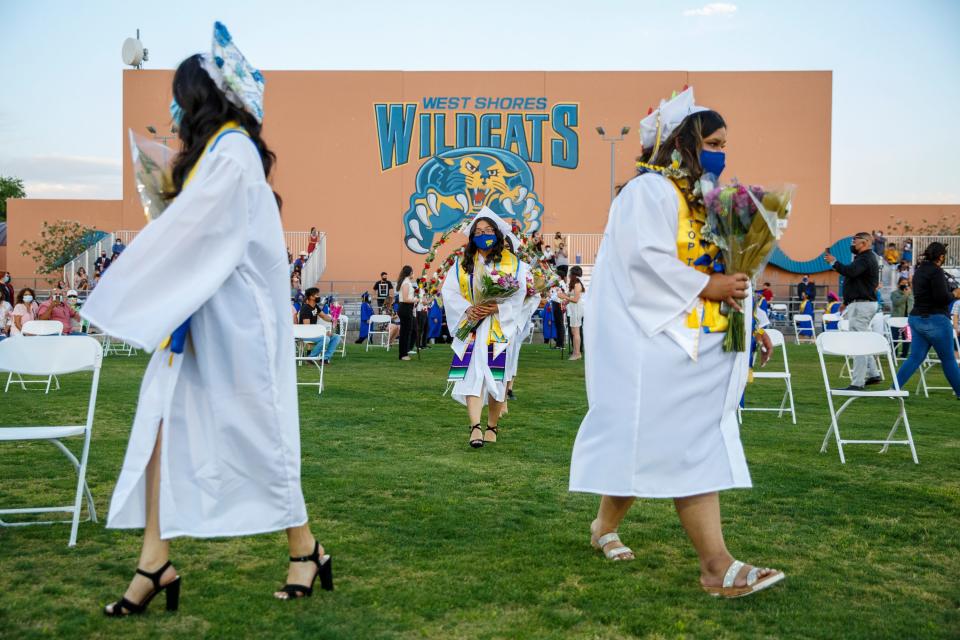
{"x": 613, "y": 143}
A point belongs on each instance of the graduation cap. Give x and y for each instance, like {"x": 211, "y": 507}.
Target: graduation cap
{"x": 495, "y": 220}
{"x": 660, "y": 122}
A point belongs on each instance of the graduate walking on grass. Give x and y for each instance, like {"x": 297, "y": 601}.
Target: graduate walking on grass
{"x": 662, "y": 392}
{"x": 483, "y": 294}
{"x": 215, "y": 445}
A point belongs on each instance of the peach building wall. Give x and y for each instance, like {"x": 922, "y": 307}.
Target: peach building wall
{"x": 322, "y": 126}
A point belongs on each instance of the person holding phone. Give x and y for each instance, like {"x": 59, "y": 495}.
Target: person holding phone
{"x": 861, "y": 278}
{"x": 55, "y": 308}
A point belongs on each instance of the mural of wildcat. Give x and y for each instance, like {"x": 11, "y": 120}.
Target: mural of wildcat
{"x": 455, "y": 184}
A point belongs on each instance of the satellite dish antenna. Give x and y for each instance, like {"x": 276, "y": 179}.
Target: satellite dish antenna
{"x": 134, "y": 53}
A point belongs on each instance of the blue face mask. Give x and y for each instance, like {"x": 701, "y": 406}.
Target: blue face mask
{"x": 485, "y": 241}
{"x": 176, "y": 112}
{"x": 713, "y": 162}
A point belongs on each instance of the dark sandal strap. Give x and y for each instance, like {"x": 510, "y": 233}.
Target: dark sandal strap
{"x": 494, "y": 429}
{"x": 297, "y": 590}
{"x": 124, "y": 607}
{"x": 155, "y": 576}
{"x": 313, "y": 557}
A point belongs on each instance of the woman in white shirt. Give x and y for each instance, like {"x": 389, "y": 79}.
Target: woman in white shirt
{"x": 407, "y": 299}
{"x": 562, "y": 259}
{"x": 574, "y": 300}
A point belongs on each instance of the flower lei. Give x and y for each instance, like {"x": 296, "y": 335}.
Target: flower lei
{"x": 679, "y": 174}
{"x": 431, "y": 284}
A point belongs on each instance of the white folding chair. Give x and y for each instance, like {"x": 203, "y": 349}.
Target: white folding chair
{"x": 316, "y": 333}
{"x": 896, "y": 344}
{"x": 829, "y": 318}
{"x": 929, "y": 362}
{"x": 344, "y": 322}
{"x": 776, "y": 338}
{"x": 778, "y": 312}
{"x": 379, "y": 325}
{"x": 808, "y": 325}
{"x": 849, "y": 344}
{"x": 46, "y": 356}
{"x": 35, "y": 328}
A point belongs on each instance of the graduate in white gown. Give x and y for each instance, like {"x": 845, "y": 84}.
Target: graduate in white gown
{"x": 479, "y": 363}
{"x": 530, "y": 304}
{"x": 215, "y": 445}
{"x": 662, "y": 393}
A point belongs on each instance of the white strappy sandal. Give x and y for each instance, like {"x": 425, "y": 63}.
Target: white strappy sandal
{"x": 753, "y": 585}
{"x": 615, "y": 553}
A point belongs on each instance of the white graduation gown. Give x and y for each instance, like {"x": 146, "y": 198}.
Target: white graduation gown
{"x": 479, "y": 380}
{"x": 230, "y": 455}
{"x": 662, "y": 397}
{"x": 513, "y": 351}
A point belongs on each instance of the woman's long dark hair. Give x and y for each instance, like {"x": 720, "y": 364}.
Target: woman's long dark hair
{"x": 575, "y": 272}
{"x": 405, "y": 273}
{"x": 24, "y": 292}
{"x": 470, "y": 251}
{"x": 205, "y": 110}
{"x": 688, "y": 140}
{"x": 933, "y": 252}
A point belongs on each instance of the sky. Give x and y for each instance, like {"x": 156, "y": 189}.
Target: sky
{"x": 896, "y": 67}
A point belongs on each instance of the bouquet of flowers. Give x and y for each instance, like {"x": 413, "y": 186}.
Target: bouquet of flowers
{"x": 745, "y": 222}
{"x": 151, "y": 172}
{"x": 489, "y": 286}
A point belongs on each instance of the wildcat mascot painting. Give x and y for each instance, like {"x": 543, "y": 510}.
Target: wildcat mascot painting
{"x": 457, "y": 184}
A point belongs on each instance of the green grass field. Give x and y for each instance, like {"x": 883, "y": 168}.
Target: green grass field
{"x": 431, "y": 539}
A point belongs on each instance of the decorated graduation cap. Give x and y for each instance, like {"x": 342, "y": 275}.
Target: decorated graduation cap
{"x": 237, "y": 79}
{"x": 660, "y": 122}
{"x": 497, "y": 221}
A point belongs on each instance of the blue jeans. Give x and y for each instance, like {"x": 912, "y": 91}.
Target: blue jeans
{"x": 332, "y": 343}
{"x": 931, "y": 331}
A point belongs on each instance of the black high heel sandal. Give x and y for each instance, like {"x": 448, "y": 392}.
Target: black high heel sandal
{"x": 324, "y": 572}
{"x": 124, "y": 607}
{"x": 496, "y": 433}
{"x": 476, "y": 443}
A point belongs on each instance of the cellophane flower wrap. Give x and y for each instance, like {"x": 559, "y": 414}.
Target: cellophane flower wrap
{"x": 745, "y": 222}
{"x": 152, "y": 162}
{"x": 489, "y": 285}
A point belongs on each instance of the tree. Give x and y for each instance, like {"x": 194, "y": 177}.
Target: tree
{"x": 947, "y": 225}
{"x": 10, "y": 187}
{"x": 59, "y": 243}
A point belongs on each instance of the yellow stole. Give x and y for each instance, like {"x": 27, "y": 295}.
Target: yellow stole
{"x": 696, "y": 252}
{"x": 229, "y": 126}
{"x": 509, "y": 263}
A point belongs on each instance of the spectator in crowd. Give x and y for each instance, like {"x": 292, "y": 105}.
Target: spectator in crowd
{"x": 80, "y": 281}
{"x": 407, "y": 301}
{"x": 335, "y": 309}
{"x": 904, "y": 271}
{"x": 537, "y": 239}
{"x": 563, "y": 260}
{"x": 310, "y": 313}
{"x": 901, "y": 304}
{"x": 805, "y": 327}
{"x": 383, "y": 290}
{"x": 558, "y": 237}
{"x": 548, "y": 255}
{"x": 934, "y": 292}
{"x": 806, "y": 289}
{"x": 862, "y": 277}
{"x": 907, "y": 253}
{"x": 96, "y": 280}
{"x": 300, "y": 261}
{"x": 314, "y": 239}
{"x": 767, "y": 292}
{"x": 556, "y": 310}
{"x": 423, "y": 319}
{"x": 60, "y": 287}
{"x": 101, "y": 263}
{"x": 891, "y": 255}
{"x": 574, "y": 300}
{"x": 6, "y": 314}
{"x": 56, "y": 308}
{"x": 24, "y": 311}
{"x": 76, "y": 322}
{"x": 6, "y": 285}
{"x": 879, "y": 242}
{"x": 393, "y": 330}
{"x": 118, "y": 246}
